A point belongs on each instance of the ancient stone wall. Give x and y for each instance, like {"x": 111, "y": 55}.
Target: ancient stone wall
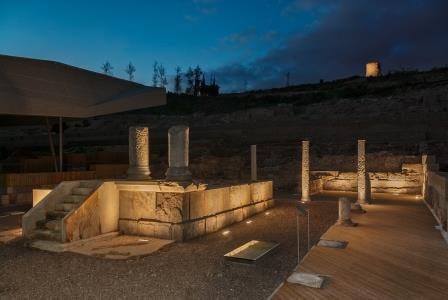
{"x": 97, "y": 215}
{"x": 408, "y": 181}
{"x": 437, "y": 196}
{"x": 185, "y": 215}
{"x": 282, "y": 164}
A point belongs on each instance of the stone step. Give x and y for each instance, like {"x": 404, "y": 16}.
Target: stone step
{"x": 41, "y": 223}
{"x": 65, "y": 206}
{"x": 73, "y": 199}
{"x": 56, "y": 214}
{"x": 83, "y": 191}
{"x": 46, "y": 234}
{"x": 54, "y": 225}
{"x": 88, "y": 184}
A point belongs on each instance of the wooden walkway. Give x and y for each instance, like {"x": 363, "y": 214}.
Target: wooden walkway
{"x": 394, "y": 253}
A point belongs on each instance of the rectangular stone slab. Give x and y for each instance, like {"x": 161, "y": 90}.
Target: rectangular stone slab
{"x": 307, "y": 279}
{"x": 332, "y": 244}
{"x": 251, "y": 251}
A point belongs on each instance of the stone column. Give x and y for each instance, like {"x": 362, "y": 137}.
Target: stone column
{"x": 138, "y": 153}
{"x": 345, "y": 212}
{"x": 253, "y": 162}
{"x": 363, "y": 186}
{"x": 305, "y": 171}
{"x": 178, "y": 147}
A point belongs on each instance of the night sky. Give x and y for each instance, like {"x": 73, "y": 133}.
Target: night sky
{"x": 247, "y": 44}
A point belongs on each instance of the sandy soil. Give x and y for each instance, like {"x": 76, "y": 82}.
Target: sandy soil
{"x": 191, "y": 270}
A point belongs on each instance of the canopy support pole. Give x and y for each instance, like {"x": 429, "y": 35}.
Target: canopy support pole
{"x": 61, "y": 151}
{"x": 50, "y": 140}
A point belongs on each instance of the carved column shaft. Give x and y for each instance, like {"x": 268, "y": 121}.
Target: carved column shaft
{"x": 305, "y": 171}
{"x": 178, "y": 154}
{"x": 139, "y": 153}
{"x": 363, "y": 188}
{"x": 253, "y": 162}
{"x": 345, "y": 212}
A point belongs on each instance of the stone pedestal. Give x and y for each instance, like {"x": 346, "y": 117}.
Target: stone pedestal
{"x": 305, "y": 171}
{"x": 253, "y": 162}
{"x": 139, "y": 153}
{"x": 178, "y": 147}
{"x": 345, "y": 212}
{"x": 363, "y": 184}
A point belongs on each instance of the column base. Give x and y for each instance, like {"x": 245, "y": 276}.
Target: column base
{"x": 178, "y": 174}
{"x": 357, "y": 207}
{"x": 305, "y": 199}
{"x": 139, "y": 173}
{"x": 347, "y": 223}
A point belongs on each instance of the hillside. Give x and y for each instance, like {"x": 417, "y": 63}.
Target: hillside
{"x": 402, "y": 115}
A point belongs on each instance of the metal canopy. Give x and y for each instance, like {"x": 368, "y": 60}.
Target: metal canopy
{"x": 33, "y": 87}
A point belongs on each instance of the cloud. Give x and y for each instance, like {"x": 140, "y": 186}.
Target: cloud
{"x": 308, "y": 6}
{"x": 190, "y": 18}
{"x": 269, "y": 36}
{"x": 206, "y": 7}
{"x": 242, "y": 37}
{"x": 400, "y": 33}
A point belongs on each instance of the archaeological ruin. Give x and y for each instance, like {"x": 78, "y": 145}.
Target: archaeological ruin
{"x": 177, "y": 208}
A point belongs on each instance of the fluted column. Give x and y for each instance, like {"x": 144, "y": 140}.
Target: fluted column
{"x": 139, "y": 153}
{"x": 178, "y": 156}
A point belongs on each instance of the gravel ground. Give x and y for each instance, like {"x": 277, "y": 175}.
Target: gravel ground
{"x": 192, "y": 270}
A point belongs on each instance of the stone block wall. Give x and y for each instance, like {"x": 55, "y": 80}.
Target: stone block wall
{"x": 97, "y": 215}
{"x": 185, "y": 215}
{"x": 408, "y": 181}
{"x": 436, "y": 196}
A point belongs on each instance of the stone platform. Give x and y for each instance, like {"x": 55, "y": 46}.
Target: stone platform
{"x": 183, "y": 212}
{"x": 161, "y": 209}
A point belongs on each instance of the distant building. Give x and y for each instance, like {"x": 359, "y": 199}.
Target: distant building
{"x": 373, "y": 69}
{"x": 209, "y": 90}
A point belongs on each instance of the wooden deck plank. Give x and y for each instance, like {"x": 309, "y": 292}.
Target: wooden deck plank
{"x": 394, "y": 253}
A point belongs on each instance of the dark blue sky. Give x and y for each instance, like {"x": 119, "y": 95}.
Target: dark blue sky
{"x": 248, "y": 44}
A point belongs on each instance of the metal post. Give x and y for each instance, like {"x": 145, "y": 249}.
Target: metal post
{"x": 50, "y": 140}
{"x": 253, "y": 162}
{"x": 308, "y": 229}
{"x": 61, "y": 159}
{"x": 298, "y": 238}
{"x": 301, "y": 210}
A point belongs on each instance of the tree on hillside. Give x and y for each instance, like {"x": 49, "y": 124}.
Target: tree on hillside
{"x": 189, "y": 75}
{"x": 155, "y": 74}
{"x": 162, "y": 75}
{"x": 130, "y": 70}
{"x": 107, "y": 68}
{"x": 178, "y": 81}
{"x": 197, "y": 80}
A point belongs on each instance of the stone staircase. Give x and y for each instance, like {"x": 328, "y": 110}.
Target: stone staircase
{"x": 50, "y": 228}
